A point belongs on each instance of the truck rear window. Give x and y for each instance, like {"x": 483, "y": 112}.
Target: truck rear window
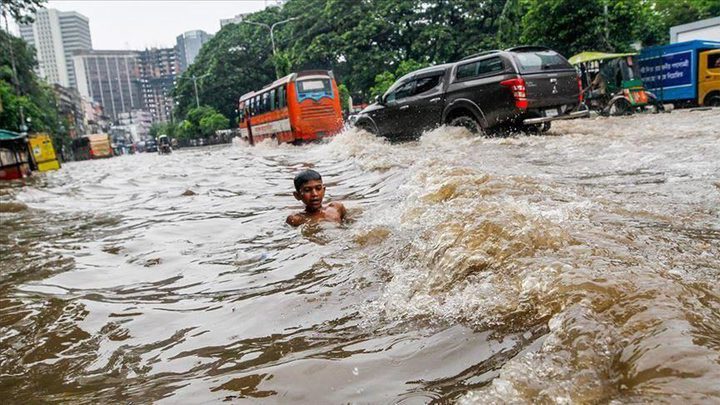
{"x": 538, "y": 61}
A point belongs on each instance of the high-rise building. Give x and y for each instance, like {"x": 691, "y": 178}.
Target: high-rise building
{"x": 111, "y": 78}
{"x": 188, "y": 46}
{"x": 158, "y": 70}
{"x": 56, "y": 35}
{"x": 234, "y": 20}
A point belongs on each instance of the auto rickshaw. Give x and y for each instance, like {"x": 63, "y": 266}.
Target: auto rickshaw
{"x": 611, "y": 83}
{"x": 163, "y": 142}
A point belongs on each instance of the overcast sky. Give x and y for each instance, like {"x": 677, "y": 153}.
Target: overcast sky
{"x": 140, "y": 24}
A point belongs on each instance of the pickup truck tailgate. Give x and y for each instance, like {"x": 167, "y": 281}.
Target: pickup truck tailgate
{"x": 551, "y": 89}
{"x": 550, "y": 80}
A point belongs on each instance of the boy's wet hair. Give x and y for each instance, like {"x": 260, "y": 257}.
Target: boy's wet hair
{"x": 305, "y": 176}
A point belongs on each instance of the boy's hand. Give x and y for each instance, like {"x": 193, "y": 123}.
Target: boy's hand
{"x": 295, "y": 220}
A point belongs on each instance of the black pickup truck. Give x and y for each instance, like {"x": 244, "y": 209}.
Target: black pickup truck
{"x": 523, "y": 87}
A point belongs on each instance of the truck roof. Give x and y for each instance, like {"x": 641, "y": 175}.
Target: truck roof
{"x": 696, "y": 44}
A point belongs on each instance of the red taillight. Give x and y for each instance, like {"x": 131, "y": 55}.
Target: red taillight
{"x": 517, "y": 85}
{"x": 580, "y": 90}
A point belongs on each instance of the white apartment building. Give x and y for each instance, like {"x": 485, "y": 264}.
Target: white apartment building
{"x": 56, "y": 35}
{"x": 111, "y": 78}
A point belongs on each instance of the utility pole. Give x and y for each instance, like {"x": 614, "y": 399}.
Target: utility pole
{"x": 194, "y": 79}
{"x": 272, "y": 37}
{"x": 607, "y": 26}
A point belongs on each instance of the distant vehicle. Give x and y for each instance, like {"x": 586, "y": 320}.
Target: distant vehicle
{"x": 151, "y": 145}
{"x": 611, "y": 83}
{"x": 15, "y": 160}
{"x": 100, "y": 146}
{"x": 302, "y": 106}
{"x": 164, "y": 145}
{"x": 525, "y": 87}
{"x": 94, "y": 146}
{"x": 683, "y": 73}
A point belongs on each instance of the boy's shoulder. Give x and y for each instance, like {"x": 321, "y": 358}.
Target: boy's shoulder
{"x": 296, "y": 219}
{"x": 339, "y": 207}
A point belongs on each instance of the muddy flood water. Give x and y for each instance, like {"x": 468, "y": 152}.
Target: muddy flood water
{"x": 577, "y": 267}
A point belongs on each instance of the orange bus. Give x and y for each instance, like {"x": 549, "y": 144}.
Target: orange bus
{"x": 299, "y": 107}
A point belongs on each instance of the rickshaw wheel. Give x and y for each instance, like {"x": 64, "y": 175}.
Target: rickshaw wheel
{"x": 619, "y": 107}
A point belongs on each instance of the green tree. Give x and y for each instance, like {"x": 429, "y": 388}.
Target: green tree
{"x": 384, "y": 80}
{"x": 365, "y": 42}
{"x": 571, "y": 26}
{"x": 664, "y": 14}
{"x": 213, "y": 122}
{"x": 186, "y": 130}
{"x": 25, "y": 92}
{"x": 237, "y": 60}
{"x": 21, "y": 11}
{"x": 155, "y": 129}
{"x": 344, "y": 97}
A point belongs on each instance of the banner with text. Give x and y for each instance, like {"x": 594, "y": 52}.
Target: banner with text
{"x": 667, "y": 71}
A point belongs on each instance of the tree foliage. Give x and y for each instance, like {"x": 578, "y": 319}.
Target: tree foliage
{"x": 384, "y": 80}
{"x": 26, "y": 92}
{"x": 366, "y": 42}
{"x": 200, "y": 122}
{"x": 21, "y": 11}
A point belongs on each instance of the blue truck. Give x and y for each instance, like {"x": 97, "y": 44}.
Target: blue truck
{"x": 684, "y": 73}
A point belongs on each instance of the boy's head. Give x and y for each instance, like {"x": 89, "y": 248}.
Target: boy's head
{"x": 309, "y": 189}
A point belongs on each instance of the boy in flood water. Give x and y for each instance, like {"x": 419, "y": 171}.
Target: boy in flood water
{"x": 309, "y": 189}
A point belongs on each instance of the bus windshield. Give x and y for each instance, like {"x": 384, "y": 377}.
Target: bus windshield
{"x": 314, "y": 89}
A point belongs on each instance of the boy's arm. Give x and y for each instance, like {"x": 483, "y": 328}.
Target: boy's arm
{"x": 294, "y": 219}
{"x": 340, "y": 208}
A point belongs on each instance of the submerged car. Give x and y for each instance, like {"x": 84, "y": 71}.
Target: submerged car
{"x": 151, "y": 145}
{"x": 525, "y": 87}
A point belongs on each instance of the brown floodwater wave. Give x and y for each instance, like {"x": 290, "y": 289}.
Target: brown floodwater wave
{"x": 576, "y": 267}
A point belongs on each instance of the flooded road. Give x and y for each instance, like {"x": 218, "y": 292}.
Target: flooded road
{"x": 577, "y": 267}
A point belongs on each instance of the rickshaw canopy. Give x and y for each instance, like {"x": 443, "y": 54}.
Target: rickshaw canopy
{"x": 584, "y": 57}
{"x": 6, "y": 135}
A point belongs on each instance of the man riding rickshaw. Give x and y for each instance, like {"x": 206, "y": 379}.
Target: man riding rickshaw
{"x": 163, "y": 142}
{"x": 611, "y": 83}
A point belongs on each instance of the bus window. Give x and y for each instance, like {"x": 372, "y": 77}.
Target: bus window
{"x": 314, "y": 88}
{"x": 273, "y": 92}
{"x": 281, "y": 97}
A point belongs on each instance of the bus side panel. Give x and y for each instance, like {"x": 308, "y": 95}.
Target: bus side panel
{"x": 272, "y": 124}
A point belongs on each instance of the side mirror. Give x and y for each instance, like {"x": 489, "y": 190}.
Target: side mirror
{"x": 379, "y": 100}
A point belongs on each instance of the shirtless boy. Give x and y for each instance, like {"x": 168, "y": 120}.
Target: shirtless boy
{"x": 310, "y": 189}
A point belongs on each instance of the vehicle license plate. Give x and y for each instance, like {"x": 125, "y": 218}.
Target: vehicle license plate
{"x": 551, "y": 113}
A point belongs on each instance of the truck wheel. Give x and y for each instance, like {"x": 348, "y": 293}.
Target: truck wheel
{"x": 468, "y": 123}
{"x": 619, "y": 107}
{"x": 713, "y": 100}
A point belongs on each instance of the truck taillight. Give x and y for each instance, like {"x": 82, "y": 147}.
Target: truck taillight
{"x": 580, "y": 90}
{"x": 517, "y": 85}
